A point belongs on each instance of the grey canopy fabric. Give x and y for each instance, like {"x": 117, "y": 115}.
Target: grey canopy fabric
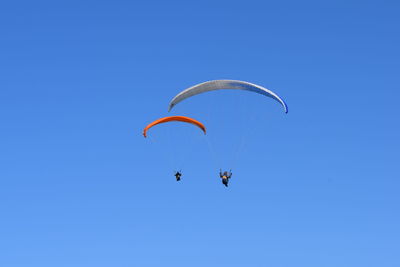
{"x": 224, "y": 84}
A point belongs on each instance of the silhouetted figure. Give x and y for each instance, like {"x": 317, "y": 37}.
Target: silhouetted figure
{"x": 178, "y": 176}
{"x": 225, "y": 176}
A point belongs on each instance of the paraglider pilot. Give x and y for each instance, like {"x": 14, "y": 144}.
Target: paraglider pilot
{"x": 178, "y": 175}
{"x": 225, "y": 177}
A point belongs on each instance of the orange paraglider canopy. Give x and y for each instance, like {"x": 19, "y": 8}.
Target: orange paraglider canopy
{"x": 174, "y": 118}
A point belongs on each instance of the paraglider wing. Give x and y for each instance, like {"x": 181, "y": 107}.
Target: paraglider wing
{"x": 174, "y": 118}
{"x": 224, "y": 84}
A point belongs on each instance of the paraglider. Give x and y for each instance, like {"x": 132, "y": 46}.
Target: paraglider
{"x": 178, "y": 175}
{"x": 174, "y": 118}
{"x": 225, "y": 176}
{"x": 225, "y": 84}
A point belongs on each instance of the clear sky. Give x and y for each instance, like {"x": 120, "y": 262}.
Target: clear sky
{"x": 317, "y": 187}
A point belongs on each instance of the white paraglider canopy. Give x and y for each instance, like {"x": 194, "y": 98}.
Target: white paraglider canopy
{"x": 225, "y": 84}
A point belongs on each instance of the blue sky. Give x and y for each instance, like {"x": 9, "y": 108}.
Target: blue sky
{"x": 80, "y": 186}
